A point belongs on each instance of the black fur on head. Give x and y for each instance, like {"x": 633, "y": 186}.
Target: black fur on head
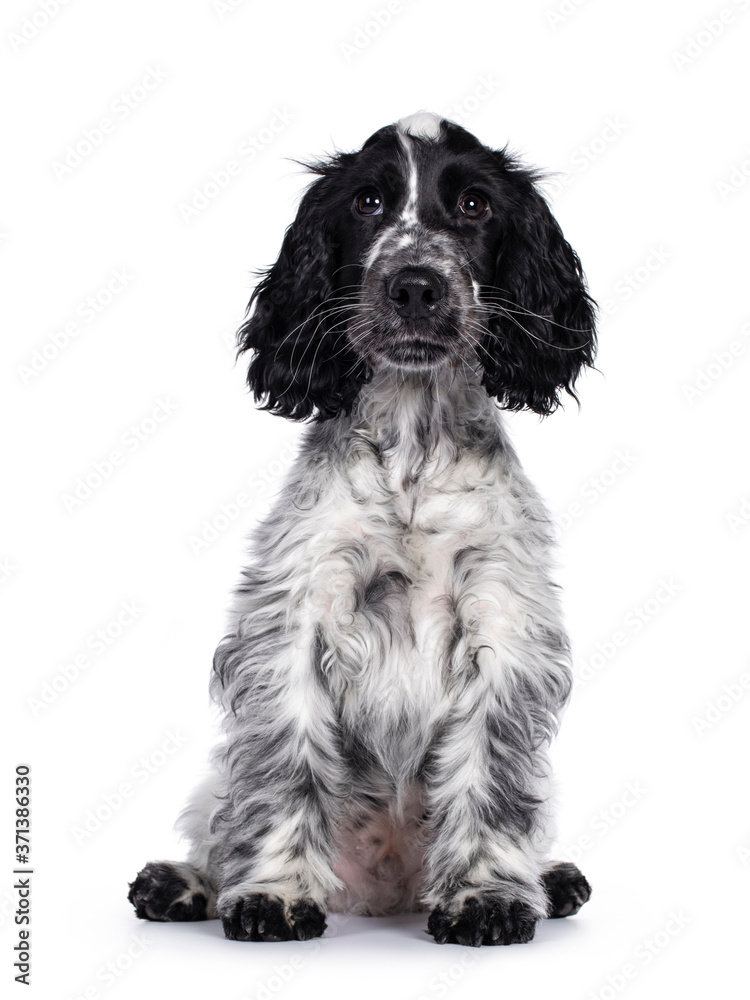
{"x": 544, "y": 332}
{"x": 391, "y": 264}
{"x": 302, "y": 362}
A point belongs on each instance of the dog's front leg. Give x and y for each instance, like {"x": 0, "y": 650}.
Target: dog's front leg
{"x": 484, "y": 798}
{"x": 507, "y": 676}
{"x": 283, "y": 776}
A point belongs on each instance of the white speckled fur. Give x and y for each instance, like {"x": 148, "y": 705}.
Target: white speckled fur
{"x": 388, "y": 500}
{"x": 395, "y": 663}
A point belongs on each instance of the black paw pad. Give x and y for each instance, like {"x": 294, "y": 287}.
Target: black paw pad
{"x": 484, "y": 919}
{"x": 260, "y": 917}
{"x": 159, "y": 892}
{"x": 566, "y": 888}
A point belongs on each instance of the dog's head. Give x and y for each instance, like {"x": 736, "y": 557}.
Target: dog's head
{"x": 424, "y": 249}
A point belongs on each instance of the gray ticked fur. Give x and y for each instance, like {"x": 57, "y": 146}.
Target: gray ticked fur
{"x": 395, "y": 664}
{"x": 394, "y": 669}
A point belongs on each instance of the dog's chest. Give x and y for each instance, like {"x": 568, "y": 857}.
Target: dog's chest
{"x": 391, "y": 579}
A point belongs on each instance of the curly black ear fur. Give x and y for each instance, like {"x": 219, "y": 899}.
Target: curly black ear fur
{"x": 543, "y": 332}
{"x": 302, "y": 364}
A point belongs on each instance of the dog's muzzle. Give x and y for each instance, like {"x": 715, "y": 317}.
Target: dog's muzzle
{"x": 416, "y": 294}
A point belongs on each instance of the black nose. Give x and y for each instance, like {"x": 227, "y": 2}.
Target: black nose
{"x": 415, "y": 292}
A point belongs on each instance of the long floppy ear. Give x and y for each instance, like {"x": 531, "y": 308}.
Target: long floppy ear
{"x": 543, "y": 332}
{"x": 302, "y": 363}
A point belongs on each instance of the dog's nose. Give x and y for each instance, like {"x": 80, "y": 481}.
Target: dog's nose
{"x": 415, "y": 292}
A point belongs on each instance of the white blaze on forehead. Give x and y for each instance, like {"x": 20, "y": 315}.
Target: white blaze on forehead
{"x": 409, "y": 213}
{"x": 423, "y": 125}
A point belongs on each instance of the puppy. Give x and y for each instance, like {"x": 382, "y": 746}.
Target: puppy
{"x": 395, "y": 663}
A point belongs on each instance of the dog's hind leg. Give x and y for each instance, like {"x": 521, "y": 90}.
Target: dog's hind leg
{"x": 567, "y": 889}
{"x": 181, "y": 890}
{"x": 172, "y": 890}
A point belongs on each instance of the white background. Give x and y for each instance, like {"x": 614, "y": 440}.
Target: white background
{"x": 641, "y": 110}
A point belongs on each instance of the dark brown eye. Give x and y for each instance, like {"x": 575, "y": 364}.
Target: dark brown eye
{"x": 369, "y": 202}
{"x": 473, "y": 205}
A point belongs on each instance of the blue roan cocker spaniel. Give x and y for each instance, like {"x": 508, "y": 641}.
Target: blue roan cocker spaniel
{"x": 395, "y": 662}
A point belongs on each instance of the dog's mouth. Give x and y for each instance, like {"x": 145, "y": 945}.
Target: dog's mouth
{"x": 409, "y": 344}
{"x": 415, "y": 352}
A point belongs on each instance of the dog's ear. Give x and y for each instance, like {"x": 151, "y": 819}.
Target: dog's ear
{"x": 301, "y": 364}
{"x": 543, "y": 330}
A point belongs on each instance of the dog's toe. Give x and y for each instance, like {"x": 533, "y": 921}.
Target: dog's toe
{"x": 260, "y": 917}
{"x": 485, "y": 919}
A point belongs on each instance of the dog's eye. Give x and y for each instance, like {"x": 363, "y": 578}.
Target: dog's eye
{"x": 369, "y": 202}
{"x": 473, "y": 205}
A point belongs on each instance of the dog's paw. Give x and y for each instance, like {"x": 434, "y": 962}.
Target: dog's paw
{"x": 260, "y": 917}
{"x": 166, "y": 891}
{"x": 567, "y": 889}
{"x": 486, "y": 918}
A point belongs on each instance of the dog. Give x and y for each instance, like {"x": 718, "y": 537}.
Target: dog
{"x": 396, "y": 664}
